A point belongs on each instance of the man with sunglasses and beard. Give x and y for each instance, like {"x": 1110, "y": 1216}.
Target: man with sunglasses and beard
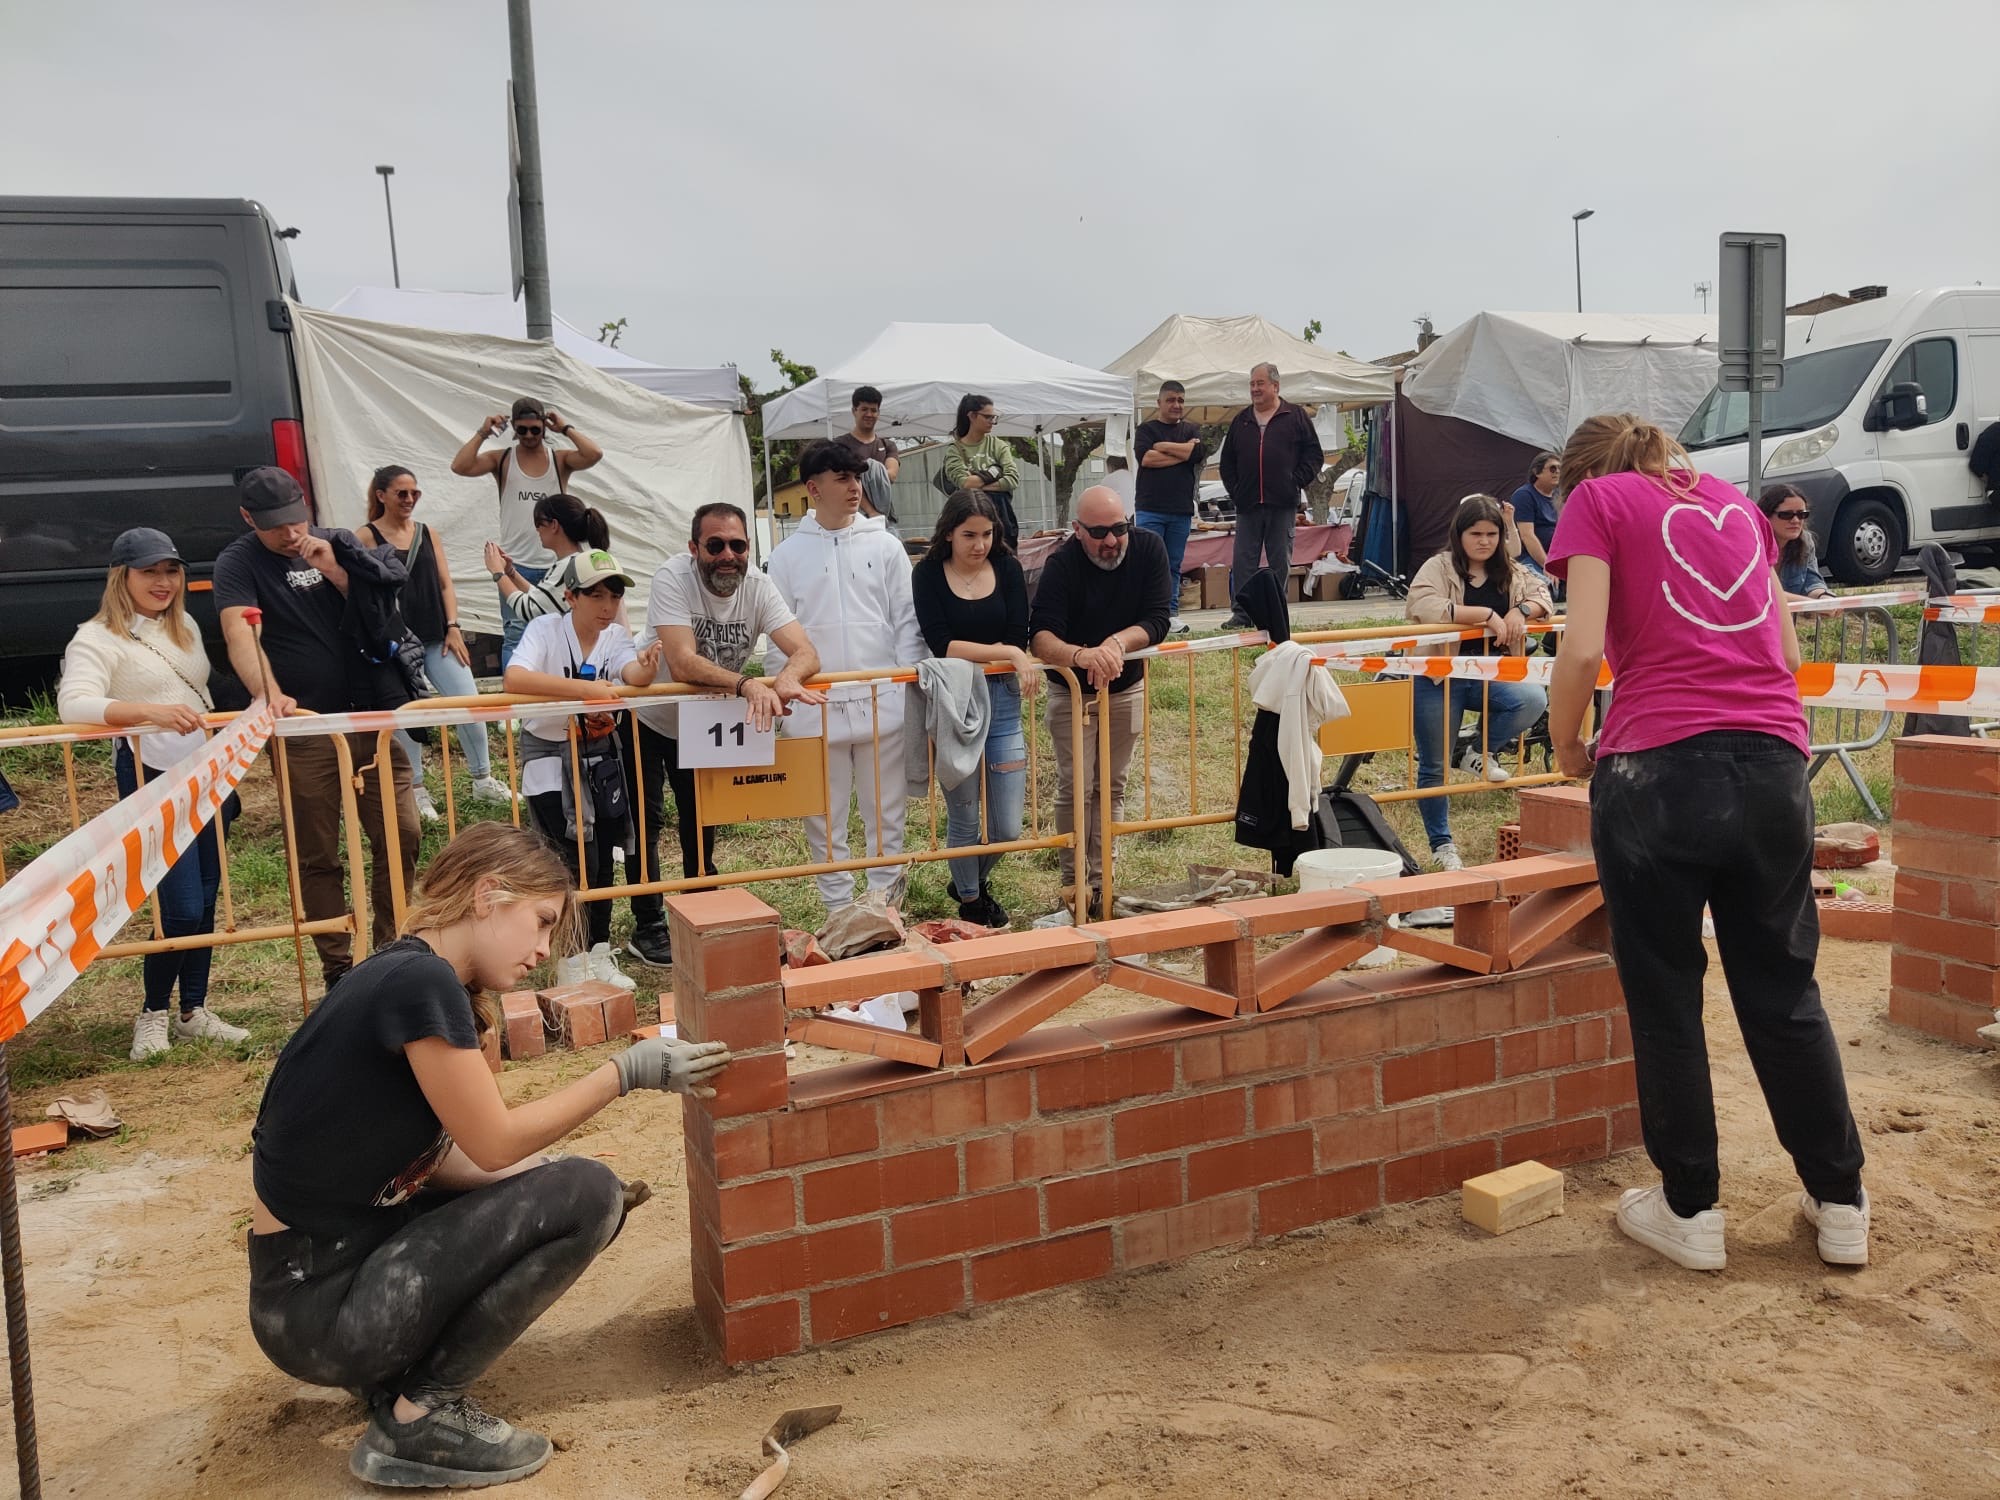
{"x": 708, "y": 607}
{"x": 1103, "y": 594}
{"x": 525, "y": 473}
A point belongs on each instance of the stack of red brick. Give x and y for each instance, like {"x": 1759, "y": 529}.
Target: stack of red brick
{"x": 1944, "y": 966}
{"x": 577, "y": 1015}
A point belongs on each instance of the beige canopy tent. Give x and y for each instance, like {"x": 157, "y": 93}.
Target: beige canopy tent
{"x": 1212, "y": 357}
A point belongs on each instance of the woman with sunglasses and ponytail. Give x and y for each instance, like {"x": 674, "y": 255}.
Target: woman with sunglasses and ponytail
{"x": 1798, "y": 559}
{"x": 1699, "y": 799}
{"x": 430, "y": 609}
{"x": 566, "y": 528}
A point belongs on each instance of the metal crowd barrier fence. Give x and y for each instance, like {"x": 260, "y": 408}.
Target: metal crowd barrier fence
{"x": 1970, "y": 614}
{"x": 1849, "y": 628}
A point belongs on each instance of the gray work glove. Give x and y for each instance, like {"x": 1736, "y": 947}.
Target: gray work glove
{"x": 683, "y": 1067}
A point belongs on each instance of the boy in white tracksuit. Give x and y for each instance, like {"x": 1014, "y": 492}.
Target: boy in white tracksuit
{"x": 848, "y": 581}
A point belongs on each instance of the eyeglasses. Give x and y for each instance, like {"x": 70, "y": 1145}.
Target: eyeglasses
{"x": 715, "y": 546}
{"x": 1790, "y": 515}
{"x": 1099, "y": 533}
{"x": 520, "y": 431}
{"x": 408, "y": 494}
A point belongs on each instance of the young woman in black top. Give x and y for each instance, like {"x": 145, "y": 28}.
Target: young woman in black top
{"x": 405, "y": 1231}
{"x": 972, "y": 603}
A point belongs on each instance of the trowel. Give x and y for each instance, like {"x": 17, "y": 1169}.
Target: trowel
{"x": 800, "y": 1422}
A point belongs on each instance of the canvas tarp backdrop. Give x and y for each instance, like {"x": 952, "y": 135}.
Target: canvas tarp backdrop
{"x": 379, "y": 393}
{"x": 1212, "y": 357}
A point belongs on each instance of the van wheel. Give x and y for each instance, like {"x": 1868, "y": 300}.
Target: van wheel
{"x": 1867, "y": 541}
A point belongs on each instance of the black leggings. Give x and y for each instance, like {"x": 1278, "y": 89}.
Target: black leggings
{"x": 547, "y": 810}
{"x": 1723, "y": 819}
{"x": 423, "y": 1312}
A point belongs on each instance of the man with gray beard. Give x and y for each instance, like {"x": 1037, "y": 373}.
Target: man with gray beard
{"x": 708, "y": 608}
{"x": 1103, "y": 593}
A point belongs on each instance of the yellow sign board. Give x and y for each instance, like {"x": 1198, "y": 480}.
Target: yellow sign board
{"x": 1378, "y": 718}
{"x": 792, "y": 786}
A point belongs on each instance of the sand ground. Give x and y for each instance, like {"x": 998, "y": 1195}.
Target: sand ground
{"x": 1401, "y": 1354}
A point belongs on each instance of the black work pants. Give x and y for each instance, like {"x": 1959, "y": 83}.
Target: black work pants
{"x": 659, "y": 762}
{"x": 422, "y": 1312}
{"x": 1723, "y": 820}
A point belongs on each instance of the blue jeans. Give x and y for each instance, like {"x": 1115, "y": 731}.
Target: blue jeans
{"x": 454, "y": 680}
{"x": 1006, "y": 779}
{"x": 1173, "y": 530}
{"x": 513, "y": 624}
{"x": 186, "y": 895}
{"x": 1514, "y": 708}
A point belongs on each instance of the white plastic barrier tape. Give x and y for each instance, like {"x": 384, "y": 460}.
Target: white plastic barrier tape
{"x": 1965, "y": 609}
{"x": 57, "y": 913}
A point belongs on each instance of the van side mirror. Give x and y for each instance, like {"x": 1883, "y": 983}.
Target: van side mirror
{"x": 1898, "y": 409}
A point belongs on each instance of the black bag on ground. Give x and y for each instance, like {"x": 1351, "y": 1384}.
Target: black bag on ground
{"x": 1351, "y": 820}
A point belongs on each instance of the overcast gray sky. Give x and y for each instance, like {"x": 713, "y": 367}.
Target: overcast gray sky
{"x": 732, "y": 176}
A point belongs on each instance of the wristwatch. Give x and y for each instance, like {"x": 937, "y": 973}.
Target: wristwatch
{"x": 565, "y": 428}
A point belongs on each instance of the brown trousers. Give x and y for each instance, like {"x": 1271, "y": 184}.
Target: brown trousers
{"x": 1077, "y": 791}
{"x": 314, "y": 769}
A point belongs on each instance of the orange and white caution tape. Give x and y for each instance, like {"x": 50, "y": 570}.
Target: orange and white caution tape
{"x": 1965, "y": 609}
{"x": 1834, "y": 604}
{"x": 70, "y": 902}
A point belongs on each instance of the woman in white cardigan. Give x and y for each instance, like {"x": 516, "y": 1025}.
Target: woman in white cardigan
{"x": 139, "y": 661}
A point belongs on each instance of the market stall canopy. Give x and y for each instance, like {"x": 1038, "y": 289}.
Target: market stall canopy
{"x": 381, "y": 391}
{"x": 1212, "y": 357}
{"x": 1533, "y": 376}
{"x": 501, "y": 316}
{"x": 922, "y": 369}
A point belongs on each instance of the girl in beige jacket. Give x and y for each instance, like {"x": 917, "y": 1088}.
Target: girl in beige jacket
{"x": 1475, "y": 583}
{"x": 139, "y": 661}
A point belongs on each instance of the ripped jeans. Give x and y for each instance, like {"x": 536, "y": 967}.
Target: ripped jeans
{"x": 422, "y": 1312}
{"x": 1005, "y": 776}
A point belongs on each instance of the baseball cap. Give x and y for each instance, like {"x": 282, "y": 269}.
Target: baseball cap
{"x": 273, "y": 498}
{"x": 593, "y": 568}
{"x": 527, "y": 406}
{"x": 141, "y": 547}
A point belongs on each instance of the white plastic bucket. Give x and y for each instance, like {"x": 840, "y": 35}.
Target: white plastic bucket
{"x": 1335, "y": 869}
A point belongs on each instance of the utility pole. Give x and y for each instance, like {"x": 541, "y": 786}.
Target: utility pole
{"x": 1576, "y": 227}
{"x": 1701, "y": 290}
{"x": 395, "y": 270}
{"x": 534, "y": 232}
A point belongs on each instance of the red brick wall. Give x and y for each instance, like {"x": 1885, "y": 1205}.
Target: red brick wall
{"x": 879, "y": 1193}
{"x": 1944, "y": 962}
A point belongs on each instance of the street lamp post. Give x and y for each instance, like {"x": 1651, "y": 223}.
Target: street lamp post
{"x": 395, "y": 270}
{"x": 1576, "y": 234}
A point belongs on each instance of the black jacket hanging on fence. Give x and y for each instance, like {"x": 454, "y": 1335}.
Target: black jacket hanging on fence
{"x": 1937, "y": 645}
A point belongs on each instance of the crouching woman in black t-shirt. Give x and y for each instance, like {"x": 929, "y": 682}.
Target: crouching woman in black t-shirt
{"x": 405, "y": 1232}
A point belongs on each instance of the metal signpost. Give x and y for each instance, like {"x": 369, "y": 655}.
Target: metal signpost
{"x": 528, "y": 174}
{"x": 1750, "y": 309}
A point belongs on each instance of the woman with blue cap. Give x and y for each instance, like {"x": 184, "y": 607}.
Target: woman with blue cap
{"x": 140, "y": 662}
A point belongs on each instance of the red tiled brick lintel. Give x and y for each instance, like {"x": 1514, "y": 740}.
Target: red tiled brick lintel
{"x": 874, "y": 1194}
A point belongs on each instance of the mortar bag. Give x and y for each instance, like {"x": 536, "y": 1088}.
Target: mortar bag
{"x": 1351, "y": 820}
{"x": 864, "y": 926}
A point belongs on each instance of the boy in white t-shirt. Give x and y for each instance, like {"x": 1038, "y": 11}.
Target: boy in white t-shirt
{"x": 583, "y": 654}
{"x": 708, "y": 608}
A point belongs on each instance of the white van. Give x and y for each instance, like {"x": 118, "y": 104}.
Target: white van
{"x": 1881, "y": 404}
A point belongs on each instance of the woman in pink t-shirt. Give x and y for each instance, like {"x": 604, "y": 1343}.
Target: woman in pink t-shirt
{"x": 1699, "y": 800}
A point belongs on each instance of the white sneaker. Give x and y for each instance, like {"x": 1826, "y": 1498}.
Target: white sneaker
{"x": 149, "y": 1035}
{"x": 491, "y": 789}
{"x": 426, "y": 809}
{"x": 574, "y": 969}
{"x": 1696, "y": 1243}
{"x": 203, "y": 1026}
{"x": 605, "y": 969}
{"x": 1445, "y": 857}
{"x": 1495, "y": 771}
{"x": 1843, "y": 1229}
{"x": 1178, "y": 627}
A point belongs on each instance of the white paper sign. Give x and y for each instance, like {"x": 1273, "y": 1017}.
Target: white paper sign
{"x": 717, "y": 732}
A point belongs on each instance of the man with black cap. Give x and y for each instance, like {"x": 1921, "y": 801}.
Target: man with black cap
{"x": 290, "y": 569}
{"x": 526, "y": 473}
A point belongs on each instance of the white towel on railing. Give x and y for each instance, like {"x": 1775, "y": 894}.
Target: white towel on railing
{"x": 1303, "y": 696}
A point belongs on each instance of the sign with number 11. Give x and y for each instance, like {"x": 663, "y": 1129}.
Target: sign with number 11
{"x": 717, "y": 732}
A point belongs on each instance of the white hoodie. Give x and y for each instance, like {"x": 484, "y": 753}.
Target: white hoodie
{"x": 851, "y": 591}
{"x": 1303, "y": 696}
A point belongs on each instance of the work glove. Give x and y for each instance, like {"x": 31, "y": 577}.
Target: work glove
{"x": 683, "y": 1067}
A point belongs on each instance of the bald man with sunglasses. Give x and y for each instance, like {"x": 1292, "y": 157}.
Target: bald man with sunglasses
{"x": 1103, "y": 594}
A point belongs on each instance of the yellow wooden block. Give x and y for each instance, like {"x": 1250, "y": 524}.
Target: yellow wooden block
{"x": 1513, "y": 1196}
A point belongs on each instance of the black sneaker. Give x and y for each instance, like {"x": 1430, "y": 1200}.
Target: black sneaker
{"x": 456, "y": 1445}
{"x": 1238, "y": 622}
{"x": 984, "y": 911}
{"x": 651, "y": 945}
{"x": 996, "y": 914}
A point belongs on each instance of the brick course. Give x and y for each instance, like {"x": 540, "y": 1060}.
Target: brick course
{"x": 1944, "y": 931}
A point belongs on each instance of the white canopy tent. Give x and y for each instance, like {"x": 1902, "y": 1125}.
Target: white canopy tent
{"x": 503, "y": 317}
{"x": 923, "y": 369}
{"x": 1534, "y": 376}
{"x": 377, "y": 393}
{"x": 1213, "y": 357}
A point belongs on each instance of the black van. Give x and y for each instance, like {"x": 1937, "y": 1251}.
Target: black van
{"x": 145, "y": 364}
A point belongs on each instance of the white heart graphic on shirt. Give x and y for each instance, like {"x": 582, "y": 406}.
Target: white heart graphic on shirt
{"x": 1717, "y": 520}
